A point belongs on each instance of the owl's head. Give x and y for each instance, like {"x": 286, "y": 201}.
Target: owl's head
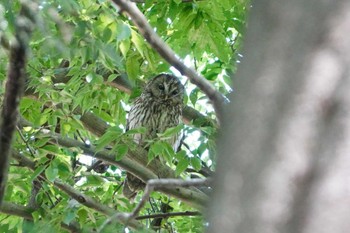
{"x": 165, "y": 88}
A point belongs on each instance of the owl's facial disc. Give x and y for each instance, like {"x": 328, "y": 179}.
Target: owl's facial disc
{"x": 166, "y": 89}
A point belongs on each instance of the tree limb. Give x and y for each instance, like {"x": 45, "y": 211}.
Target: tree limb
{"x": 151, "y": 186}
{"x": 138, "y": 166}
{"x": 80, "y": 197}
{"x": 14, "y": 89}
{"x": 164, "y": 50}
{"x": 122, "y": 83}
{"x": 164, "y": 183}
{"x": 171, "y": 214}
{"x": 25, "y": 212}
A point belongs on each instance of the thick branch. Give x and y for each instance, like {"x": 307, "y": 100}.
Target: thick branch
{"x": 165, "y": 183}
{"x": 13, "y": 90}
{"x": 17, "y": 210}
{"x": 164, "y": 50}
{"x": 25, "y": 212}
{"x": 121, "y": 83}
{"x": 171, "y": 214}
{"x": 80, "y": 197}
{"x": 140, "y": 167}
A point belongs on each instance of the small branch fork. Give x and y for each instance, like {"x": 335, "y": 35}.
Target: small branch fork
{"x": 165, "y": 51}
{"x": 150, "y": 187}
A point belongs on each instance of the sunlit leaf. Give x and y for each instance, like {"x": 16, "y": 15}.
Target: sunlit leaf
{"x": 181, "y": 166}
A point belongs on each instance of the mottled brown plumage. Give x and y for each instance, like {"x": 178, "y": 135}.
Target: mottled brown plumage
{"x": 158, "y": 108}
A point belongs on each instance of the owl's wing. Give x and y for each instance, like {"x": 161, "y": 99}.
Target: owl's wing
{"x": 135, "y": 119}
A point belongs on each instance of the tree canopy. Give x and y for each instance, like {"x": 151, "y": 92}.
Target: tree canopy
{"x": 86, "y": 61}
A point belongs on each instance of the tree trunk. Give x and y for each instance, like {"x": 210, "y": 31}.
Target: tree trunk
{"x": 284, "y": 149}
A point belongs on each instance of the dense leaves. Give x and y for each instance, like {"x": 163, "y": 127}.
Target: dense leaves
{"x": 87, "y": 58}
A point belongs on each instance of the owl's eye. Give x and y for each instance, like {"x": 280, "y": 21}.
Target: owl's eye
{"x": 175, "y": 92}
{"x": 161, "y": 87}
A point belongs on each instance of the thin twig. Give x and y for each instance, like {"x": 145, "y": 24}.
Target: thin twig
{"x": 164, "y": 50}
{"x": 32, "y": 153}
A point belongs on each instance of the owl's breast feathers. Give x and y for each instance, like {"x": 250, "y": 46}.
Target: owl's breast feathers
{"x": 156, "y": 117}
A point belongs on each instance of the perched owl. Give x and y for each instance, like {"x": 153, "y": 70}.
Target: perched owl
{"x": 158, "y": 108}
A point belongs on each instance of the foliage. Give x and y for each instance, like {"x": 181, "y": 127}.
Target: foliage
{"x": 80, "y": 50}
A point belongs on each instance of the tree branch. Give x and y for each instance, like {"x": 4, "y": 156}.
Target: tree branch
{"x": 171, "y": 214}
{"x": 164, "y": 183}
{"x": 122, "y": 83}
{"x": 25, "y": 212}
{"x": 164, "y": 50}
{"x": 150, "y": 186}
{"x": 14, "y": 89}
{"x": 138, "y": 166}
{"x": 80, "y": 197}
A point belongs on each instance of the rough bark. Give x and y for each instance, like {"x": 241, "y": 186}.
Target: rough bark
{"x": 284, "y": 146}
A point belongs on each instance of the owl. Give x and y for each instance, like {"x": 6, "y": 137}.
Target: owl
{"x": 158, "y": 108}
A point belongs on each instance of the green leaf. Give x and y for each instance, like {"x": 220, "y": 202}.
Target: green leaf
{"x": 82, "y": 214}
{"x": 180, "y": 155}
{"x": 65, "y": 127}
{"x": 133, "y": 66}
{"x": 194, "y": 96}
{"x": 151, "y": 155}
{"x": 177, "y": 1}
{"x": 123, "y": 31}
{"x": 112, "y": 134}
{"x": 171, "y": 131}
{"x": 138, "y": 41}
{"x": 52, "y": 149}
{"x": 107, "y": 33}
{"x": 139, "y": 130}
{"x": 196, "y": 163}
{"x": 111, "y": 77}
{"x": 69, "y": 217}
{"x": 181, "y": 166}
{"x": 124, "y": 47}
{"x": 168, "y": 152}
{"x": 38, "y": 171}
{"x": 157, "y": 147}
{"x": 51, "y": 173}
{"x": 121, "y": 150}
{"x": 92, "y": 180}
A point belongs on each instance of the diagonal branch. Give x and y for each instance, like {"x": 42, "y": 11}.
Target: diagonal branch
{"x": 80, "y": 197}
{"x": 171, "y": 214}
{"x": 138, "y": 166}
{"x": 122, "y": 83}
{"x": 25, "y": 212}
{"x": 165, "y": 51}
{"x": 14, "y": 90}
